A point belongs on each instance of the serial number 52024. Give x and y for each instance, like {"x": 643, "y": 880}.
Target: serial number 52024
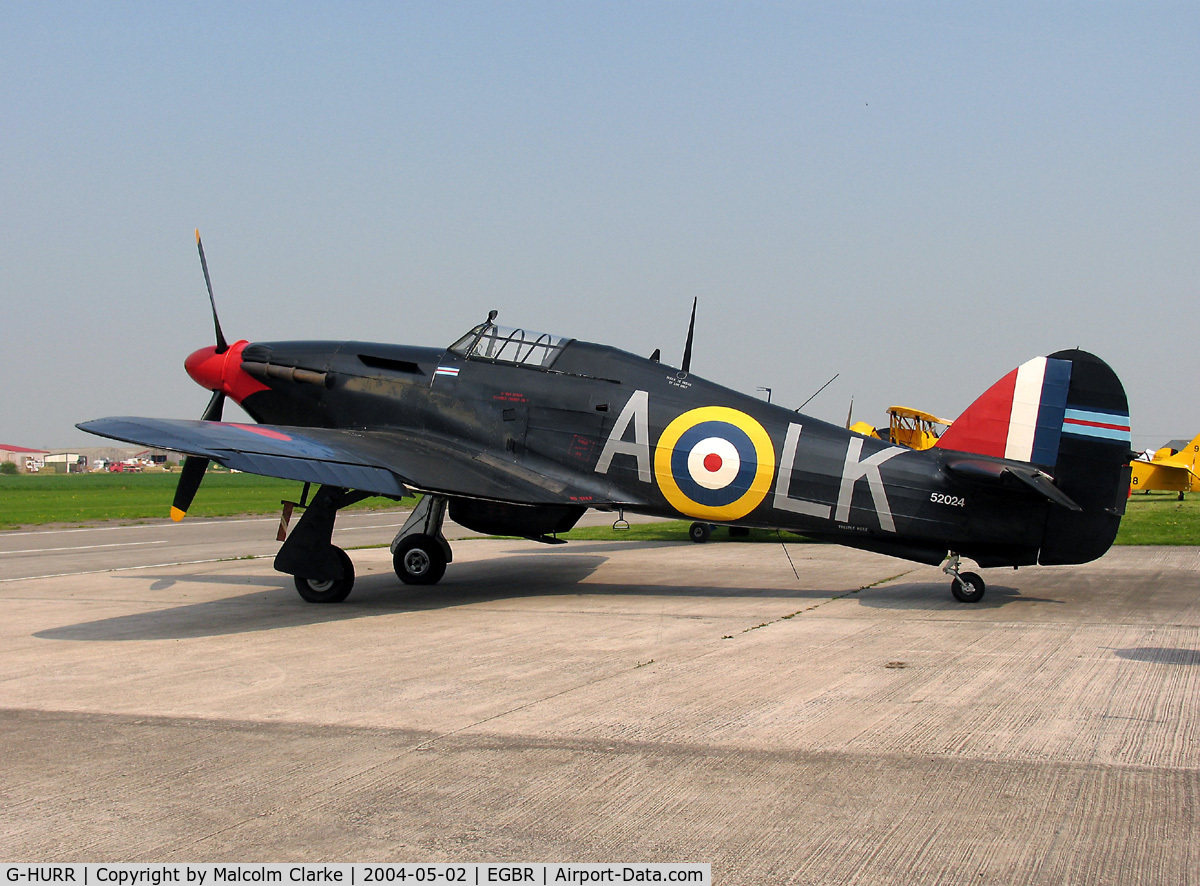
{"x": 939, "y": 498}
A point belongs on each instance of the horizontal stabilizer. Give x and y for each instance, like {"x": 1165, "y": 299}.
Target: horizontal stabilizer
{"x": 1039, "y": 481}
{"x": 1044, "y": 483}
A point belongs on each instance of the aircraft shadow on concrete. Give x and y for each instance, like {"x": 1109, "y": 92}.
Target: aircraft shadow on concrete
{"x": 278, "y": 605}
{"x": 1160, "y": 655}
{"x": 608, "y": 546}
{"x": 935, "y": 596}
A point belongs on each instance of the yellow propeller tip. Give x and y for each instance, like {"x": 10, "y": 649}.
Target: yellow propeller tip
{"x": 197, "y": 235}
{"x": 177, "y": 514}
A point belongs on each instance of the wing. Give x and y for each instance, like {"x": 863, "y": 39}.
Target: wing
{"x": 385, "y": 462}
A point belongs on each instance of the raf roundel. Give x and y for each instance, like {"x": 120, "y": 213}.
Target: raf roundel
{"x": 714, "y": 463}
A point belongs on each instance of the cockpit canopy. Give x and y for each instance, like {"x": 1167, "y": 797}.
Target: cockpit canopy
{"x": 503, "y": 344}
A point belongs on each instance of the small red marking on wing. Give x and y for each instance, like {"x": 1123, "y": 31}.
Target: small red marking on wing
{"x": 264, "y": 432}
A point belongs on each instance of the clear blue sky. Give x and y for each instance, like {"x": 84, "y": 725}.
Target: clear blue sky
{"x": 918, "y": 196}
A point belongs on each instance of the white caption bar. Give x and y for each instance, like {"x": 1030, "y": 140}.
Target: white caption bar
{"x": 474, "y": 873}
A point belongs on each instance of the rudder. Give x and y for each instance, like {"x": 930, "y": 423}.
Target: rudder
{"x": 1067, "y": 414}
{"x": 1092, "y": 465}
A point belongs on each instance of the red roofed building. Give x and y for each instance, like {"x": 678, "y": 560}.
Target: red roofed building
{"x": 19, "y": 455}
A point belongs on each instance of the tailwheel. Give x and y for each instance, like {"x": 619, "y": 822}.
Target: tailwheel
{"x": 699, "y": 532}
{"x": 333, "y": 590}
{"x": 419, "y": 560}
{"x": 967, "y": 587}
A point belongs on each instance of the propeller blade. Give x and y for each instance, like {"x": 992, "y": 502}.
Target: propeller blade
{"x": 687, "y": 348}
{"x": 222, "y": 345}
{"x": 215, "y": 407}
{"x": 189, "y": 481}
{"x": 194, "y": 466}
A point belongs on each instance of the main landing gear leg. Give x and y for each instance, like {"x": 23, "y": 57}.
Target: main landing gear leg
{"x": 323, "y": 571}
{"x": 419, "y": 551}
{"x": 967, "y": 587}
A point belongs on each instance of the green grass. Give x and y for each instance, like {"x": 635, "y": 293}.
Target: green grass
{"x": 75, "y": 498}
{"x": 1158, "y": 518}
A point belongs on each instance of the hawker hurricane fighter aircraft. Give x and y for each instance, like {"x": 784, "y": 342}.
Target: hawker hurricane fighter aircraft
{"x": 518, "y": 433}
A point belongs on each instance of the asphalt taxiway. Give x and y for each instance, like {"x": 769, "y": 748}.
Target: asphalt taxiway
{"x": 614, "y": 702}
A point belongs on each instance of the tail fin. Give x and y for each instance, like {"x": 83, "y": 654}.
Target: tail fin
{"x": 1188, "y": 457}
{"x": 1067, "y": 414}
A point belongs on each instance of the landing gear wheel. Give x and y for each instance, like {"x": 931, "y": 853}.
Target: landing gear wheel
{"x": 419, "y": 560}
{"x": 967, "y": 587}
{"x": 334, "y": 590}
{"x": 699, "y": 532}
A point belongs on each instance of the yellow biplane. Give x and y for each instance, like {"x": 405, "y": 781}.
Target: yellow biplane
{"x": 1170, "y": 470}
{"x": 907, "y": 427}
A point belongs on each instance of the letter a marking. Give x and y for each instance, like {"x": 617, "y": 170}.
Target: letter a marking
{"x": 636, "y": 412}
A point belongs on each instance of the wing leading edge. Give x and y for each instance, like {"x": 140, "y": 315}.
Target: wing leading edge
{"x": 385, "y": 462}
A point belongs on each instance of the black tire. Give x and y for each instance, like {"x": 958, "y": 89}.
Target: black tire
{"x": 968, "y": 587}
{"x": 332, "y": 591}
{"x": 419, "y": 560}
{"x": 699, "y": 532}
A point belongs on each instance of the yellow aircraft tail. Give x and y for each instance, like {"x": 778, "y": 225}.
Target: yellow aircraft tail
{"x": 1169, "y": 473}
{"x": 1188, "y": 457}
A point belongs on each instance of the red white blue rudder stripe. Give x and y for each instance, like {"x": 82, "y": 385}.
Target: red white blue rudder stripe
{"x": 1020, "y": 417}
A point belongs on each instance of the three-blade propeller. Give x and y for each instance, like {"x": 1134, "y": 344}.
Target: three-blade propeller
{"x": 195, "y": 466}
